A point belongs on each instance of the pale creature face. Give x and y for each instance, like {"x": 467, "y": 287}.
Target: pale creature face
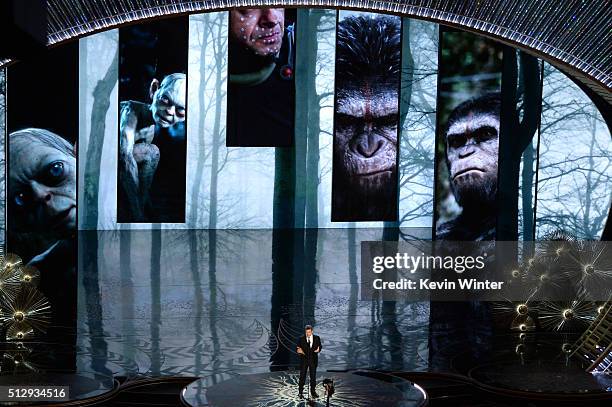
{"x": 42, "y": 184}
{"x": 168, "y": 100}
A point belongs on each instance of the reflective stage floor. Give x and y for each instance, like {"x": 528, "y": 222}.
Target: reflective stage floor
{"x": 279, "y": 389}
{"x": 229, "y": 306}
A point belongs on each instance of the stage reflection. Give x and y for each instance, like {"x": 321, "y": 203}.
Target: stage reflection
{"x": 222, "y": 303}
{"x": 211, "y": 302}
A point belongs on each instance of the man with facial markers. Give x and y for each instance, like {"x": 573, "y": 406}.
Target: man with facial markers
{"x": 261, "y": 88}
{"x": 308, "y": 347}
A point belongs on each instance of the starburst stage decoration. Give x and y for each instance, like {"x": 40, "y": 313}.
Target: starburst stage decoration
{"x": 24, "y": 311}
{"x": 29, "y": 307}
{"x": 30, "y": 275}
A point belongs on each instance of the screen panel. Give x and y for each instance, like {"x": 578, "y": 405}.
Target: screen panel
{"x": 366, "y": 117}
{"x": 152, "y": 126}
{"x": 575, "y": 162}
{"x": 42, "y": 123}
{"x": 468, "y": 116}
{"x": 261, "y": 77}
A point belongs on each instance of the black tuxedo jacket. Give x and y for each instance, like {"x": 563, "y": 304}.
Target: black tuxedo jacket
{"x": 310, "y": 357}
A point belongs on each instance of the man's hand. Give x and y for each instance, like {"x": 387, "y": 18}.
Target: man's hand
{"x": 317, "y": 350}
{"x": 300, "y": 351}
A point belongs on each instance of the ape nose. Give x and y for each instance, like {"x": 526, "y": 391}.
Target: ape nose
{"x": 368, "y": 146}
{"x": 466, "y": 151}
{"x": 468, "y": 148}
{"x": 171, "y": 110}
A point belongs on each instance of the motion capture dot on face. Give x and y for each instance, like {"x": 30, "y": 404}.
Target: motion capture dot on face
{"x": 42, "y": 182}
{"x": 168, "y": 105}
{"x": 258, "y": 30}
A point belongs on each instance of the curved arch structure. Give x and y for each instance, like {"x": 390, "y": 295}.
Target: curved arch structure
{"x": 572, "y": 34}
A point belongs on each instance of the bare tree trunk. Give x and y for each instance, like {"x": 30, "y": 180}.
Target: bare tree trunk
{"x": 407, "y": 75}
{"x": 195, "y": 195}
{"x": 391, "y": 229}
{"x": 127, "y": 288}
{"x": 589, "y": 233}
{"x": 313, "y": 151}
{"x": 283, "y": 242}
{"x": 527, "y": 192}
{"x": 515, "y": 134}
{"x": 101, "y": 104}
{"x": 216, "y": 141}
{"x": 306, "y": 37}
{"x": 156, "y": 247}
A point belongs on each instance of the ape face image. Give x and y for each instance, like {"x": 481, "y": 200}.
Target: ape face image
{"x": 168, "y": 99}
{"x": 472, "y": 145}
{"x": 366, "y": 120}
{"x": 258, "y": 30}
{"x": 42, "y": 182}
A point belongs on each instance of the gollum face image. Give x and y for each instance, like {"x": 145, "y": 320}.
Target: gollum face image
{"x": 366, "y": 120}
{"x": 42, "y": 183}
{"x": 168, "y": 99}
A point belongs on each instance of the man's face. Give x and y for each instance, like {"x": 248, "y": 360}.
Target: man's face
{"x": 308, "y": 333}
{"x": 168, "y": 104}
{"x": 42, "y": 182}
{"x": 260, "y": 30}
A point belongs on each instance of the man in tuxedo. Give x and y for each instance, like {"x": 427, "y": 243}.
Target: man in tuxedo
{"x": 308, "y": 347}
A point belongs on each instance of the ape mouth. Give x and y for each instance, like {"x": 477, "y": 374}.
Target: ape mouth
{"x": 466, "y": 171}
{"x": 376, "y": 173}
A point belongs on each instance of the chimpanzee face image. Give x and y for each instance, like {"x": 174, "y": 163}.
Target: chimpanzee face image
{"x": 472, "y": 146}
{"x": 42, "y": 182}
{"x": 258, "y": 30}
{"x": 366, "y": 131}
{"x": 366, "y": 117}
{"x": 168, "y": 99}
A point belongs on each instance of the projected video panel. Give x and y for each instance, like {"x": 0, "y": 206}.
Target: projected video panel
{"x": 261, "y": 77}
{"x": 152, "y": 130}
{"x": 366, "y": 117}
{"x": 469, "y": 105}
{"x": 42, "y": 126}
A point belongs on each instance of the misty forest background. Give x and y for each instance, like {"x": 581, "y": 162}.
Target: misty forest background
{"x": 236, "y": 188}
{"x": 562, "y": 182}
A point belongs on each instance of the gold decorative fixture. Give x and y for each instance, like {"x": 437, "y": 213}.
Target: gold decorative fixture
{"x": 24, "y": 311}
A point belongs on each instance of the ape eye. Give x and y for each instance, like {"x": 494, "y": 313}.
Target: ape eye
{"x": 485, "y": 133}
{"x": 344, "y": 119}
{"x": 456, "y": 140}
{"x": 164, "y": 100}
{"x": 388, "y": 120}
{"x": 20, "y": 199}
